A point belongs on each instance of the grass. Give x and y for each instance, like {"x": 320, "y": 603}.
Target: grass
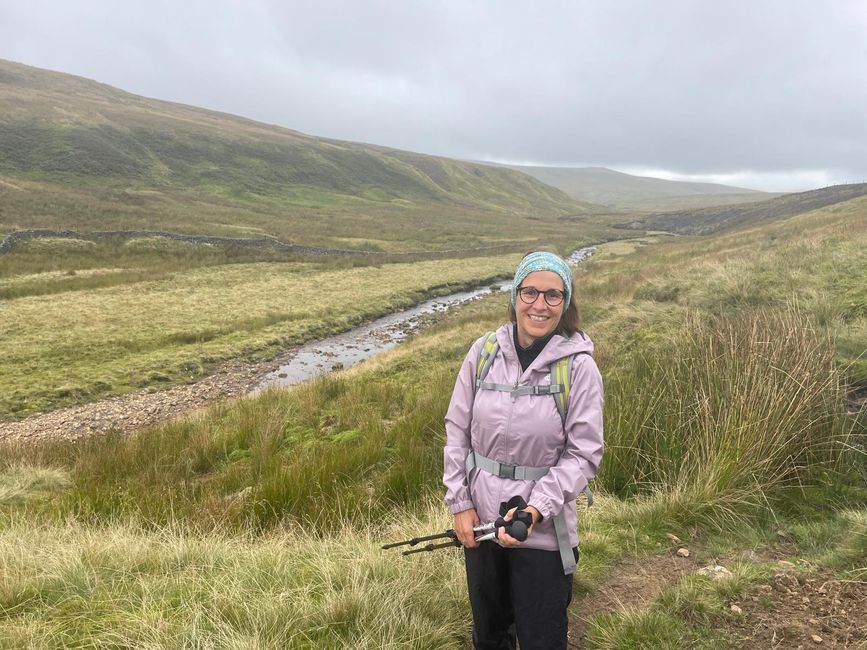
{"x": 111, "y": 331}
{"x": 131, "y": 587}
{"x": 725, "y": 417}
{"x": 727, "y": 410}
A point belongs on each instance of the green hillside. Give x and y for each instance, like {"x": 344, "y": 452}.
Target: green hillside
{"x": 79, "y": 154}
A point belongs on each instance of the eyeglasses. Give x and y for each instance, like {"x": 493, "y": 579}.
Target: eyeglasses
{"x": 552, "y": 296}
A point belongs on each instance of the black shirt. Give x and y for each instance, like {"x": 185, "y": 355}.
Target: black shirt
{"x": 526, "y": 356}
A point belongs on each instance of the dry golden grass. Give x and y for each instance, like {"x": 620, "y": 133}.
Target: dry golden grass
{"x": 61, "y": 344}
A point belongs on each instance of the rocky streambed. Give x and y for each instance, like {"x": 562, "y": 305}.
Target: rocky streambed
{"x": 127, "y": 413}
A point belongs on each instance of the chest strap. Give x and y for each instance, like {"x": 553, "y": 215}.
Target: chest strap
{"x": 518, "y": 391}
{"x": 525, "y": 473}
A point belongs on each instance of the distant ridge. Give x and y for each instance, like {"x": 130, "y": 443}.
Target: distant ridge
{"x": 619, "y": 190}
{"x": 713, "y": 220}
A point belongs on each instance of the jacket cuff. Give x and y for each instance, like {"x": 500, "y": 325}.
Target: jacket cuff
{"x": 543, "y": 505}
{"x": 460, "y": 506}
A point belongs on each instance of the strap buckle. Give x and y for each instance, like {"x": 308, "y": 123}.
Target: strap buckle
{"x": 506, "y": 471}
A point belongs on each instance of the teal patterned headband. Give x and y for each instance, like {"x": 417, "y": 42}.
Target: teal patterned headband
{"x": 543, "y": 261}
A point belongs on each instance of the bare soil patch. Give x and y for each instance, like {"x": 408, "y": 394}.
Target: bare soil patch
{"x": 790, "y": 610}
{"x": 633, "y": 583}
{"x": 797, "y": 610}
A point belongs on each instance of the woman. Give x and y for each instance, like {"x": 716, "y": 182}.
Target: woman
{"x": 504, "y": 439}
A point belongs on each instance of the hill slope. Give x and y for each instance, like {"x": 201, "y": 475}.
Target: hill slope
{"x": 619, "y": 190}
{"x": 141, "y": 159}
{"x": 712, "y": 220}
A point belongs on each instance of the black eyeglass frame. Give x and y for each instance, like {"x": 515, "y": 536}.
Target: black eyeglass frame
{"x": 549, "y": 294}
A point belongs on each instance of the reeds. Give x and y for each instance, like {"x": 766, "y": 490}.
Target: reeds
{"x": 727, "y": 414}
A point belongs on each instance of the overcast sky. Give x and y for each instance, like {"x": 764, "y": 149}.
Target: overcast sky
{"x": 768, "y": 94}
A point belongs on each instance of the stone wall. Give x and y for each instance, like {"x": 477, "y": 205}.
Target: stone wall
{"x": 263, "y": 242}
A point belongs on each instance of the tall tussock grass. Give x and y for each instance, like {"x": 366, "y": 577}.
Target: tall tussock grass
{"x": 728, "y": 414}
{"x": 329, "y": 451}
{"x": 126, "y": 586}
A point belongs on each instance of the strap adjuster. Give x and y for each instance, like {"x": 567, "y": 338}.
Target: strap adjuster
{"x": 506, "y": 471}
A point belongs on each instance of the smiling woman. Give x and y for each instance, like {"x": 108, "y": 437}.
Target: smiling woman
{"x": 507, "y": 437}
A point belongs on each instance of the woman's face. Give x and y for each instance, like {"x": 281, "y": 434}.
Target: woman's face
{"x": 538, "y": 319}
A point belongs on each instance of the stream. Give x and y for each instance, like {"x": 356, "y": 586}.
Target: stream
{"x": 360, "y": 343}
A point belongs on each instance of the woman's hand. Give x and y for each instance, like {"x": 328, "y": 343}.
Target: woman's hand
{"x": 508, "y": 540}
{"x": 464, "y": 522}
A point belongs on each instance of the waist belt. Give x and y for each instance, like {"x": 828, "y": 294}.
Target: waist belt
{"x": 524, "y": 473}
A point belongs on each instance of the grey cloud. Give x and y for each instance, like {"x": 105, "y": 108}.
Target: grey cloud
{"x": 690, "y": 87}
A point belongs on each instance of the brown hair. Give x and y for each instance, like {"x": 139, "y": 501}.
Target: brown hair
{"x": 570, "y": 321}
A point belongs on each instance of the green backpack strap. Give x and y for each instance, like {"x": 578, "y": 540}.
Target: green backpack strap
{"x": 486, "y": 356}
{"x": 561, "y": 374}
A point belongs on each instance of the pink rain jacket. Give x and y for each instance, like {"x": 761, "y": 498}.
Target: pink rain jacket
{"x": 525, "y": 430}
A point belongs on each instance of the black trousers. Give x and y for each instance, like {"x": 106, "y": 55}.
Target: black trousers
{"x": 517, "y": 594}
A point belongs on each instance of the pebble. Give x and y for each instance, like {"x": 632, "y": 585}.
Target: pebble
{"x": 816, "y": 638}
{"x": 683, "y": 552}
{"x": 736, "y": 610}
{"x": 715, "y": 571}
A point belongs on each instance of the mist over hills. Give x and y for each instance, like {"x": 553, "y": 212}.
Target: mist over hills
{"x": 142, "y": 162}
{"x": 629, "y": 192}
{"x": 75, "y": 153}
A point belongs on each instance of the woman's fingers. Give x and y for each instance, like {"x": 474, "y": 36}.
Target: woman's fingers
{"x": 464, "y": 522}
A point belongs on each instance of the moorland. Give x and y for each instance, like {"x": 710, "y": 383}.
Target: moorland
{"x": 733, "y": 360}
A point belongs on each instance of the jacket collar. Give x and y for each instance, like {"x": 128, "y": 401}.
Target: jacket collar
{"x": 557, "y": 348}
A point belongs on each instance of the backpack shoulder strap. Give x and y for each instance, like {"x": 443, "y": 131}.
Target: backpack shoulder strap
{"x": 561, "y": 374}
{"x": 486, "y": 356}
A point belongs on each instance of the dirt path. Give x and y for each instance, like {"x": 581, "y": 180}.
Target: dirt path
{"x": 801, "y": 610}
{"x": 795, "y": 608}
{"x": 632, "y": 583}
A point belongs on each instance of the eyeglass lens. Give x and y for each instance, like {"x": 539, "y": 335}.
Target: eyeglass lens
{"x": 552, "y": 296}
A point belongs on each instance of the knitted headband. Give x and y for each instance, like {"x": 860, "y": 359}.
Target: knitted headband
{"x": 543, "y": 261}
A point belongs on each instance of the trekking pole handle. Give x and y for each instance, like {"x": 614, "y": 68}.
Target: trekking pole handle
{"x": 518, "y": 527}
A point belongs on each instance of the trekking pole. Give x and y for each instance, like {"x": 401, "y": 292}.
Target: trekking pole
{"x": 450, "y": 533}
{"x": 518, "y": 528}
